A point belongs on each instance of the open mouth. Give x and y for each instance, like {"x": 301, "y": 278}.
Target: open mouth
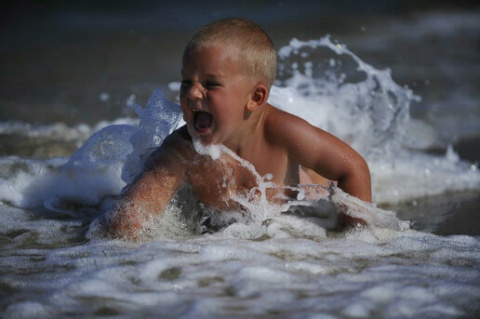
{"x": 202, "y": 121}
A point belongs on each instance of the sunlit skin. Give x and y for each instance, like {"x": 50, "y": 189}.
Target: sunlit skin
{"x": 221, "y": 104}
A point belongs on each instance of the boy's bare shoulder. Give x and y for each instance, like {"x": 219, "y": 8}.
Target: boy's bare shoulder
{"x": 180, "y": 135}
{"x": 281, "y": 126}
{"x": 176, "y": 146}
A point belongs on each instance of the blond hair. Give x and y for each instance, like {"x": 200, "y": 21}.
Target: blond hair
{"x": 254, "y": 45}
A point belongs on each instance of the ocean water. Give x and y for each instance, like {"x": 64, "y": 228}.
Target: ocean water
{"x": 90, "y": 92}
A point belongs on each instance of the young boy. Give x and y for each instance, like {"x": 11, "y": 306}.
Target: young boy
{"x": 228, "y": 68}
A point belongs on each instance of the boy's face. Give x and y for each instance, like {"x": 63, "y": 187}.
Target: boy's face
{"x": 214, "y": 94}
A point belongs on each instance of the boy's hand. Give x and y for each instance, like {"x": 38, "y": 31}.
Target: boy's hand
{"x": 125, "y": 225}
{"x": 344, "y": 203}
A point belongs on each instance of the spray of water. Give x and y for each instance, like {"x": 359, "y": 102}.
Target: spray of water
{"x": 354, "y": 101}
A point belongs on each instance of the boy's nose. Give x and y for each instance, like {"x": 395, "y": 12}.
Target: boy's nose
{"x": 196, "y": 91}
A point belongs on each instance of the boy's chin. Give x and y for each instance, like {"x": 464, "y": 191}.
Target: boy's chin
{"x": 199, "y": 137}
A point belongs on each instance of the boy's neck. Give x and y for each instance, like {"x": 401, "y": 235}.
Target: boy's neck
{"x": 251, "y": 131}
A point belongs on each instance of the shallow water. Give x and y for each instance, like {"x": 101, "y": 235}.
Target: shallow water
{"x": 73, "y": 134}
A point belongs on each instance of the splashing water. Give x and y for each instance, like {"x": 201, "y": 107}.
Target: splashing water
{"x": 357, "y": 102}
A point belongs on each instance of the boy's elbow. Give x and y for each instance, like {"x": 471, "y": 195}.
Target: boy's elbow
{"x": 364, "y": 169}
{"x": 363, "y": 178}
{"x": 356, "y": 180}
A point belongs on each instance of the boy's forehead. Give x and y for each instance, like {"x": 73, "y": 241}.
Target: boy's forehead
{"x": 215, "y": 53}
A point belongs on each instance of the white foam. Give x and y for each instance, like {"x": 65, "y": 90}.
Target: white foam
{"x": 28, "y": 309}
{"x": 216, "y": 276}
{"x": 212, "y": 150}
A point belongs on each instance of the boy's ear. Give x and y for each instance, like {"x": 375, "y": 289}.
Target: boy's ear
{"x": 259, "y": 97}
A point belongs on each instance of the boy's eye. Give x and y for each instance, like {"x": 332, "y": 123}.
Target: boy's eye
{"x": 211, "y": 84}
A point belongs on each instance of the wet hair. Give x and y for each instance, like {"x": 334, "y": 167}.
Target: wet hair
{"x": 254, "y": 45}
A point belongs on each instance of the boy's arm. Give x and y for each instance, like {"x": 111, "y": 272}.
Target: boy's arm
{"x": 324, "y": 153}
{"x": 327, "y": 155}
{"x": 150, "y": 193}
